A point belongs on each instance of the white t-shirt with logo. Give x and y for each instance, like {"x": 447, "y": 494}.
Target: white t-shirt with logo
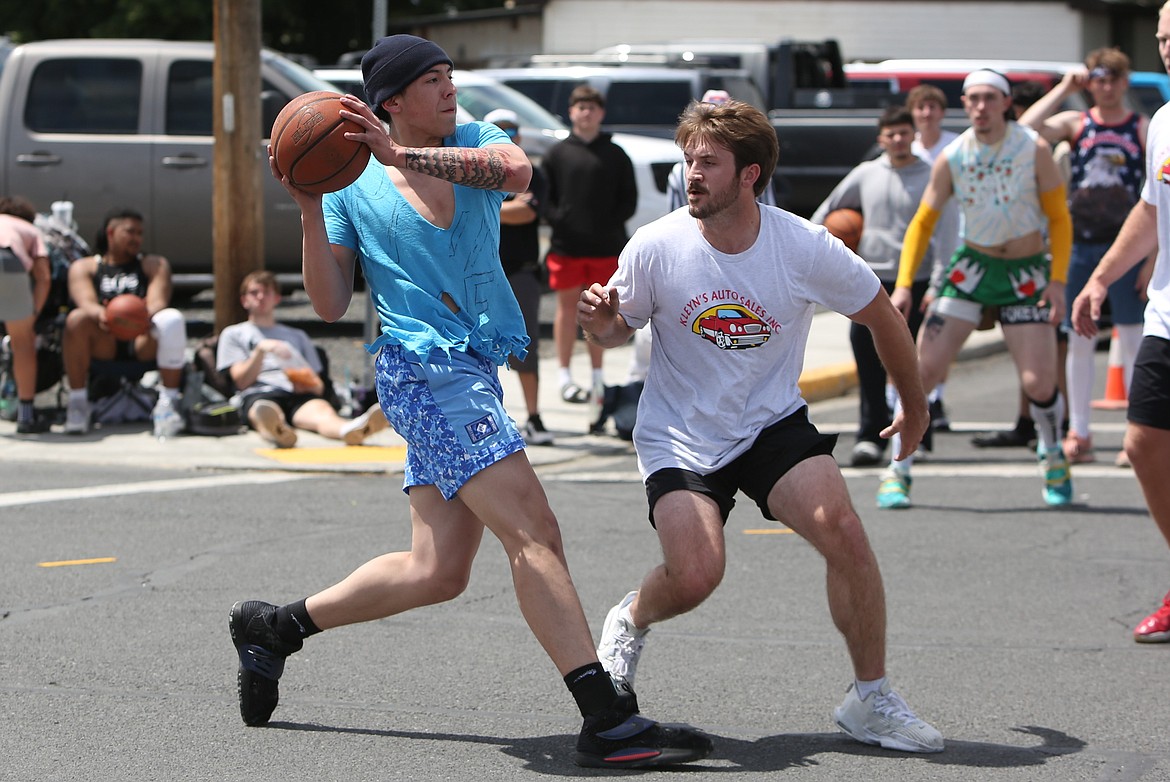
{"x": 1156, "y": 191}
{"x": 729, "y": 330}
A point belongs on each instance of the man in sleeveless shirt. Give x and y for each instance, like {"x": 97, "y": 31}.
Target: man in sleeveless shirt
{"x": 120, "y": 267}
{"x": 1107, "y": 143}
{"x": 1011, "y": 193}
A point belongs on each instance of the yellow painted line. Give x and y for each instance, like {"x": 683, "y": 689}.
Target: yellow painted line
{"x": 67, "y": 562}
{"x": 784, "y": 531}
{"x": 349, "y": 454}
{"x": 828, "y": 382}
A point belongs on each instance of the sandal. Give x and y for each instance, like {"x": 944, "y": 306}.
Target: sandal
{"x": 571, "y": 392}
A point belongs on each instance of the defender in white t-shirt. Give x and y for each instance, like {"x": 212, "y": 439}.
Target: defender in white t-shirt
{"x": 729, "y": 288}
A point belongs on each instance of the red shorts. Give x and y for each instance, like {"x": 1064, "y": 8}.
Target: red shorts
{"x": 577, "y": 271}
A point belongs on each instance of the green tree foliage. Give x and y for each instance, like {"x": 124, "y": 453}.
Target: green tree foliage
{"x": 321, "y": 30}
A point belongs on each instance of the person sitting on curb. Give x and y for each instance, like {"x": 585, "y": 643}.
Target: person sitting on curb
{"x": 278, "y": 373}
{"x": 120, "y": 267}
{"x": 24, "y": 259}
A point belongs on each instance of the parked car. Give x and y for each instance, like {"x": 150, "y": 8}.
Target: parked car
{"x": 476, "y": 94}
{"x": 642, "y": 100}
{"x": 108, "y": 123}
{"x": 1149, "y": 90}
{"x": 901, "y": 76}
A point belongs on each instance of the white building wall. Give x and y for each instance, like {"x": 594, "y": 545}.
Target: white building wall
{"x": 865, "y": 30}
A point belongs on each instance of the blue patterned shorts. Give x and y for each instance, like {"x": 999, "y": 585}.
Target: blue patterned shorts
{"x": 451, "y": 415}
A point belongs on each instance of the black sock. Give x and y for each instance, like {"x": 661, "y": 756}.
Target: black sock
{"x": 1025, "y": 425}
{"x": 26, "y": 412}
{"x": 292, "y": 622}
{"x": 592, "y": 688}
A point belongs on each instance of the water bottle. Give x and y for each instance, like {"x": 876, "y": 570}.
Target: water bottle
{"x": 8, "y": 403}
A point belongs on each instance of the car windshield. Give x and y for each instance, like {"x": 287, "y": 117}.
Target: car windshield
{"x": 479, "y": 97}
{"x": 299, "y": 75}
{"x": 729, "y": 314}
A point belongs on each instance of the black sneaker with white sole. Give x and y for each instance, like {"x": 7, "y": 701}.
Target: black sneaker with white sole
{"x": 620, "y": 738}
{"x": 262, "y": 654}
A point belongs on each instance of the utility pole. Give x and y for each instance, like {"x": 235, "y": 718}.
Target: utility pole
{"x": 237, "y": 166}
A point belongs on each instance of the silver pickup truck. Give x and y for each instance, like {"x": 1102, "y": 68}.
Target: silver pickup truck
{"x": 128, "y": 123}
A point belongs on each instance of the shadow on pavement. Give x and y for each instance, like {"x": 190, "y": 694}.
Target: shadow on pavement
{"x": 553, "y": 754}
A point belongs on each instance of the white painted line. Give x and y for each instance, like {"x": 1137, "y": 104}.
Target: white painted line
{"x": 921, "y": 469}
{"x": 146, "y": 487}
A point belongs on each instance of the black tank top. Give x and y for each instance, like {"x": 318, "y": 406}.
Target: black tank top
{"x": 111, "y": 281}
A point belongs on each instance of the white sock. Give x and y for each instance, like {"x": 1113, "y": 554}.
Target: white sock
{"x": 78, "y": 395}
{"x": 865, "y": 689}
{"x": 565, "y": 377}
{"x": 598, "y": 377}
{"x": 358, "y": 422}
{"x": 170, "y": 394}
{"x": 1079, "y": 370}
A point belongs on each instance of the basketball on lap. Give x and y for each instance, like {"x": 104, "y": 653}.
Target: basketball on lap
{"x": 310, "y": 147}
{"x": 126, "y": 316}
{"x": 846, "y": 225}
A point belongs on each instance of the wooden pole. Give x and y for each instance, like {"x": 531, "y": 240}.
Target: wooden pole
{"x": 238, "y": 163}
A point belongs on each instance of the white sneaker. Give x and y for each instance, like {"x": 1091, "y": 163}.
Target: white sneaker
{"x": 166, "y": 419}
{"x": 884, "y": 719}
{"x": 621, "y": 644}
{"x": 368, "y": 423}
{"x": 77, "y": 416}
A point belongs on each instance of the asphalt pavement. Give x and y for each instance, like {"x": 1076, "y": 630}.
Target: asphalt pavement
{"x": 1009, "y": 622}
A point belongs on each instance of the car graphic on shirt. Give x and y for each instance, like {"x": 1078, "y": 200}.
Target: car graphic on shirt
{"x": 730, "y": 326}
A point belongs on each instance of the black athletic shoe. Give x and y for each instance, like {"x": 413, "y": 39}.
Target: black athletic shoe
{"x": 624, "y": 739}
{"x": 1009, "y": 438}
{"x": 938, "y": 417}
{"x": 262, "y": 655}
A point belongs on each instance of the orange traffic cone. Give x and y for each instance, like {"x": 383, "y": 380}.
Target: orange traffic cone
{"x": 1115, "y": 396}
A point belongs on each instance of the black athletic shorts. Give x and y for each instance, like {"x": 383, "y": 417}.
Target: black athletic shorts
{"x": 777, "y": 449}
{"x": 1149, "y": 397}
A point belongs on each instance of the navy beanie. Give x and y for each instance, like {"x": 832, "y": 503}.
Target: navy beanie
{"x": 393, "y": 63}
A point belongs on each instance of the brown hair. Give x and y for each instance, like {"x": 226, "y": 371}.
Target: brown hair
{"x": 1109, "y": 57}
{"x": 924, "y": 92}
{"x": 739, "y": 127}
{"x": 586, "y": 93}
{"x": 261, "y": 277}
{"x": 18, "y": 206}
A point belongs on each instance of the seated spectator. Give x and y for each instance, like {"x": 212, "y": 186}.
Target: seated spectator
{"x": 23, "y": 253}
{"x": 120, "y": 267}
{"x": 278, "y": 373}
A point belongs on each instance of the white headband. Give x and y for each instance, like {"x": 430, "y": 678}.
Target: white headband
{"x": 989, "y": 78}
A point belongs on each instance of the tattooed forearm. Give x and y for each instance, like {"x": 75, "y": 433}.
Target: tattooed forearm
{"x": 481, "y": 168}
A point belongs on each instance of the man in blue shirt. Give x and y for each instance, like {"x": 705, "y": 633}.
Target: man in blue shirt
{"x": 424, "y": 220}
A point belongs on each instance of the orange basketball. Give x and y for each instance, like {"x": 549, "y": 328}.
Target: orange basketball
{"x": 310, "y": 147}
{"x": 845, "y": 224}
{"x": 126, "y": 316}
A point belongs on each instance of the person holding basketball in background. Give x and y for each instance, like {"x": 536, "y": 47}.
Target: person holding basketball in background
{"x": 728, "y": 265}
{"x": 424, "y": 220}
{"x": 886, "y": 191}
{"x": 1009, "y": 190}
{"x": 120, "y": 267}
